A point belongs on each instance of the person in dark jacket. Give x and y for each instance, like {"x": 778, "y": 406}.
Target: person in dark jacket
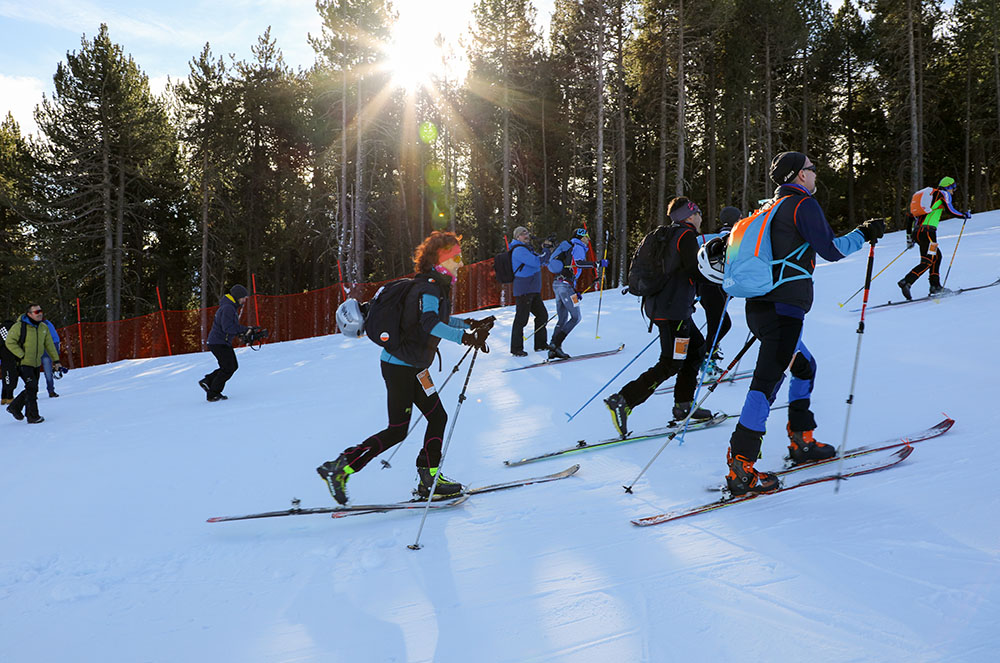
{"x": 713, "y": 298}
{"x": 799, "y": 231}
{"x": 528, "y": 291}
{"x": 8, "y": 366}
{"x": 682, "y": 347}
{"x": 225, "y": 328}
{"x": 425, "y": 320}
{"x": 37, "y": 342}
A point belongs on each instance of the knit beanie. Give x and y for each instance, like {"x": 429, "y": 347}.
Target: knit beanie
{"x": 786, "y": 166}
{"x": 729, "y": 216}
{"x": 238, "y": 292}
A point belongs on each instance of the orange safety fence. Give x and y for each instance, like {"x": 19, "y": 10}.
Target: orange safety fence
{"x": 287, "y": 317}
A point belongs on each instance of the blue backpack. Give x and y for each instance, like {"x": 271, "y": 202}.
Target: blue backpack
{"x": 750, "y": 262}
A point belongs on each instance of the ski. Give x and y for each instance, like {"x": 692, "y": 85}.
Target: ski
{"x": 872, "y": 462}
{"x": 653, "y": 433}
{"x": 916, "y": 300}
{"x": 936, "y": 430}
{"x": 742, "y": 375}
{"x": 552, "y": 362}
{"x": 416, "y": 503}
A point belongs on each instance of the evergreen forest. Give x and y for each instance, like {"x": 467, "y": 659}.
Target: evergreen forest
{"x": 306, "y": 178}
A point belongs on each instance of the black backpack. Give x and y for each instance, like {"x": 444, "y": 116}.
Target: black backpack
{"x": 503, "y": 266}
{"x": 384, "y": 319}
{"x": 652, "y": 263}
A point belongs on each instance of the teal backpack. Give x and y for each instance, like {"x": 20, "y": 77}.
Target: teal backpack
{"x": 750, "y": 262}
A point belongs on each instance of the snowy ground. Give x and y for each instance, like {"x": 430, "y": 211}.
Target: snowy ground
{"x": 107, "y": 556}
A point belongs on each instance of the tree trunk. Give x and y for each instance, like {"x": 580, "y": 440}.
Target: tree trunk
{"x": 344, "y": 218}
{"x": 850, "y": 141}
{"x": 711, "y": 137}
{"x": 545, "y": 164}
{"x": 805, "y": 100}
{"x": 661, "y": 179}
{"x": 119, "y": 232}
{"x": 744, "y": 204}
{"x": 204, "y": 245}
{"x": 768, "y": 83}
{"x": 109, "y": 256}
{"x": 914, "y": 145}
{"x": 599, "y": 174}
{"x": 681, "y": 97}
{"x": 359, "y": 193}
{"x": 621, "y": 246}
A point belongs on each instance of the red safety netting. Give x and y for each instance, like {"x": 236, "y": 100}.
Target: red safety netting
{"x": 288, "y": 317}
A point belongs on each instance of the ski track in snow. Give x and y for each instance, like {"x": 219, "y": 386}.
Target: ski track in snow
{"x": 107, "y": 556}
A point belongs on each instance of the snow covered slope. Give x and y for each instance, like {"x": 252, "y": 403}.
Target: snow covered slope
{"x": 106, "y": 555}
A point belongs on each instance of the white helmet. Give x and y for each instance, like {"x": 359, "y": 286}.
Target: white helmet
{"x": 712, "y": 260}
{"x": 350, "y": 319}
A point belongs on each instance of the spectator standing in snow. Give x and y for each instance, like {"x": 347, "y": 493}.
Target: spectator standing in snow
{"x": 528, "y": 291}
{"x": 28, "y": 352}
{"x": 47, "y": 361}
{"x": 799, "y": 230}
{"x": 225, "y": 327}
{"x": 8, "y": 365}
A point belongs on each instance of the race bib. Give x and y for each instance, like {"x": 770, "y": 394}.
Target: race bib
{"x": 932, "y": 247}
{"x": 424, "y": 378}
{"x": 681, "y": 347}
{"x": 575, "y": 299}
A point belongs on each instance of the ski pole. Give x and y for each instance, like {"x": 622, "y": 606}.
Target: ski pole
{"x": 447, "y": 440}
{"x": 694, "y": 408}
{"x": 887, "y": 267}
{"x": 571, "y": 416}
{"x": 600, "y": 297}
{"x": 551, "y": 318}
{"x": 956, "y": 249}
{"x": 385, "y": 463}
{"x": 857, "y": 356}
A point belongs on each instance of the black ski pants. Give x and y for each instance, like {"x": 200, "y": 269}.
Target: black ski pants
{"x": 713, "y": 300}
{"x": 228, "y": 365}
{"x": 531, "y": 303}
{"x": 638, "y": 390}
{"x": 403, "y": 391}
{"x": 930, "y": 257}
{"x": 8, "y": 371}
{"x": 27, "y": 400}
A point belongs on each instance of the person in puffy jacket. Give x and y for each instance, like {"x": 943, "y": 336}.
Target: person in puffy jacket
{"x": 37, "y": 342}
{"x": 528, "y": 291}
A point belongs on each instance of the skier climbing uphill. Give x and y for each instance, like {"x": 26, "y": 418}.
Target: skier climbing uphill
{"x": 422, "y": 312}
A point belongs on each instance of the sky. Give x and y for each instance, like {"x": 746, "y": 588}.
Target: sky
{"x": 163, "y": 37}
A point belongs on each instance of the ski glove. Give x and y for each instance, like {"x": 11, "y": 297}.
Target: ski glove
{"x": 477, "y": 339}
{"x": 59, "y": 370}
{"x": 603, "y": 262}
{"x": 968, "y": 214}
{"x": 872, "y": 229}
{"x": 909, "y": 242}
{"x": 485, "y": 323}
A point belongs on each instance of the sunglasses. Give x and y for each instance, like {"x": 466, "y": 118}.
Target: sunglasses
{"x": 35, "y": 311}
{"x": 812, "y": 168}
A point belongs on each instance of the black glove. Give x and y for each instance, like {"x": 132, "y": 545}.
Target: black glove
{"x": 909, "y": 242}
{"x": 548, "y": 244}
{"x": 485, "y": 323}
{"x": 476, "y": 339}
{"x": 872, "y": 229}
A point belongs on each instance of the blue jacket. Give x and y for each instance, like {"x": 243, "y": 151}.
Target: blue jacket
{"x": 801, "y": 220}
{"x": 575, "y": 260}
{"x": 226, "y": 325}
{"x": 55, "y": 339}
{"x": 527, "y": 268}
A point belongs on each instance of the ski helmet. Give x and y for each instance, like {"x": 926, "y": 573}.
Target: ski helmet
{"x": 712, "y": 260}
{"x": 350, "y": 319}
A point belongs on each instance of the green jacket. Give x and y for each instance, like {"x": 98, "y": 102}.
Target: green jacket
{"x": 37, "y": 341}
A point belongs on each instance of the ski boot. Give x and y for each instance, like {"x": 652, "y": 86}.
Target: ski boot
{"x": 203, "y": 383}
{"x": 335, "y": 473}
{"x": 212, "y": 398}
{"x": 940, "y": 291}
{"x": 555, "y": 346}
{"x": 619, "y": 413}
{"x": 743, "y": 478}
{"x": 905, "y": 287}
{"x": 53, "y": 394}
{"x": 681, "y": 410}
{"x": 15, "y": 413}
{"x": 445, "y": 488}
{"x": 802, "y": 448}
{"x": 519, "y": 353}
{"x": 36, "y": 420}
